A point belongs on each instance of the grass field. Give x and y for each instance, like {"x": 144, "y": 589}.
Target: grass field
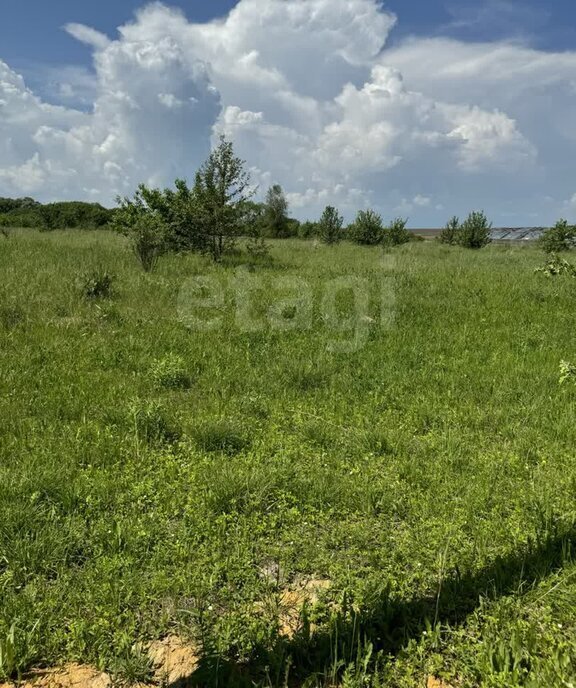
{"x": 172, "y": 468}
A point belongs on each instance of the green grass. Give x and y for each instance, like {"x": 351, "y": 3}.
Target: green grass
{"x": 150, "y": 472}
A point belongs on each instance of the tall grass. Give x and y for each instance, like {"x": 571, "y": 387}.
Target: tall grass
{"x": 428, "y": 474}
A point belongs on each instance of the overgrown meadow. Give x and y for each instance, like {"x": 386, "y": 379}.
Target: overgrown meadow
{"x": 176, "y": 455}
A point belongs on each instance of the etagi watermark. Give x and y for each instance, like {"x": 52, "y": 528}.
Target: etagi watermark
{"x": 346, "y": 307}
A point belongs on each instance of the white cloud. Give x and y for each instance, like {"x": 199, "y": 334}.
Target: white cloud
{"x": 311, "y": 100}
{"x": 85, "y": 34}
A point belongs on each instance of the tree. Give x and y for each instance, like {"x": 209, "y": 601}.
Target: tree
{"x": 276, "y": 213}
{"x": 396, "y": 233}
{"x": 144, "y": 225}
{"x": 221, "y": 190}
{"x": 474, "y": 232}
{"x": 449, "y": 235}
{"x": 330, "y": 225}
{"x": 367, "y": 228}
{"x": 254, "y": 228}
{"x": 561, "y": 237}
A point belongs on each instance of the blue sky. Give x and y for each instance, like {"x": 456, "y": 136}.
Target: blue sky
{"x": 422, "y": 109}
{"x": 31, "y": 30}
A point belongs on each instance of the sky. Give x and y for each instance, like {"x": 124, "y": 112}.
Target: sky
{"x": 417, "y": 109}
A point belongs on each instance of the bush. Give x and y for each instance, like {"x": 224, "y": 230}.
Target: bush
{"x": 561, "y": 237}
{"x": 396, "y": 233}
{"x": 145, "y": 229}
{"x": 307, "y": 230}
{"x": 330, "y": 226}
{"x": 367, "y": 228}
{"x": 96, "y": 284}
{"x": 170, "y": 372}
{"x": 557, "y": 266}
{"x": 449, "y": 235}
{"x": 474, "y": 232}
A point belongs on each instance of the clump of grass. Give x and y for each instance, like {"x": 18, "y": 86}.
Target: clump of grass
{"x": 567, "y": 373}
{"x": 152, "y": 425}
{"x": 221, "y": 436}
{"x": 170, "y": 373}
{"x": 96, "y": 284}
{"x": 306, "y": 378}
{"x": 377, "y": 443}
{"x": 11, "y": 316}
{"x": 133, "y": 666}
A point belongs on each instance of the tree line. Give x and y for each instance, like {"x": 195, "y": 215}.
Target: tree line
{"x": 26, "y": 212}
{"x": 219, "y": 208}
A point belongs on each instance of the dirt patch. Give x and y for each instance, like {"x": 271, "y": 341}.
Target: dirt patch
{"x": 173, "y": 663}
{"x": 303, "y": 592}
{"x": 434, "y": 682}
{"x": 173, "y": 660}
{"x": 69, "y": 676}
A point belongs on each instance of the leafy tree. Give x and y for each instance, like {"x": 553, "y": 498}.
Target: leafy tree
{"x": 367, "y": 228}
{"x": 221, "y": 190}
{"x": 474, "y": 232}
{"x": 449, "y": 235}
{"x": 330, "y": 225}
{"x": 276, "y": 213}
{"x": 177, "y": 209}
{"x": 293, "y": 227}
{"x": 8, "y": 205}
{"x": 73, "y": 215}
{"x": 561, "y": 237}
{"x": 396, "y": 233}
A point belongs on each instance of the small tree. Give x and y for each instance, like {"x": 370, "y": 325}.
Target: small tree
{"x": 449, "y": 235}
{"x": 396, "y": 233}
{"x": 255, "y": 229}
{"x": 561, "y": 237}
{"x": 276, "y": 213}
{"x": 220, "y": 193}
{"x": 474, "y": 232}
{"x": 330, "y": 225}
{"x": 145, "y": 228}
{"x": 367, "y": 228}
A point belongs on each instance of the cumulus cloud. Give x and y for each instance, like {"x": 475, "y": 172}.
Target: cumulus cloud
{"x": 313, "y": 99}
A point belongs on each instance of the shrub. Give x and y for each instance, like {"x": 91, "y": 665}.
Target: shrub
{"x": 330, "y": 225}
{"x": 145, "y": 229}
{"x": 96, "y": 284}
{"x": 396, "y": 233}
{"x": 170, "y": 372}
{"x": 449, "y": 235}
{"x": 474, "y": 232}
{"x": 367, "y": 228}
{"x": 561, "y": 237}
{"x": 557, "y": 266}
{"x": 307, "y": 230}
